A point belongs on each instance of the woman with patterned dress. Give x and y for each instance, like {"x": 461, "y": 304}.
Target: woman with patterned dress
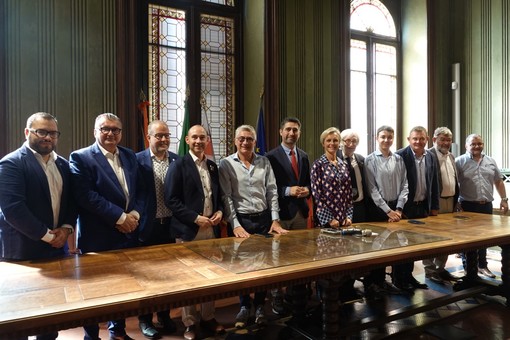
{"x": 331, "y": 184}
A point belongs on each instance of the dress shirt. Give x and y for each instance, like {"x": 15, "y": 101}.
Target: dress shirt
{"x": 447, "y": 170}
{"x": 331, "y": 190}
{"x": 476, "y": 179}
{"x": 248, "y": 190}
{"x": 160, "y": 168}
{"x": 205, "y": 177}
{"x": 287, "y": 152}
{"x": 386, "y": 179}
{"x": 113, "y": 160}
{"x": 55, "y": 185}
{"x": 421, "y": 182}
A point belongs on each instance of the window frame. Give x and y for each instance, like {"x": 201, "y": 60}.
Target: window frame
{"x": 371, "y": 39}
{"x": 193, "y": 10}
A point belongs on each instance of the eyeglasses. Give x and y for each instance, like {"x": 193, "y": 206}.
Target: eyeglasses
{"x": 107, "y": 130}
{"x": 160, "y": 136}
{"x": 476, "y": 144}
{"x": 245, "y": 139}
{"x": 350, "y": 141}
{"x": 43, "y": 133}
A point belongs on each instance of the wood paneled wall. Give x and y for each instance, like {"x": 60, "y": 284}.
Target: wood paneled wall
{"x": 60, "y": 57}
{"x": 476, "y": 34}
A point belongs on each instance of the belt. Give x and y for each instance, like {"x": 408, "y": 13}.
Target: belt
{"x": 162, "y": 220}
{"x": 359, "y": 202}
{"x": 477, "y": 202}
{"x": 254, "y": 215}
{"x": 447, "y": 197}
{"x": 390, "y": 203}
{"x": 418, "y": 202}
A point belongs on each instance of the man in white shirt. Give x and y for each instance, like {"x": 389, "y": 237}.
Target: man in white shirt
{"x": 37, "y": 210}
{"x": 448, "y": 193}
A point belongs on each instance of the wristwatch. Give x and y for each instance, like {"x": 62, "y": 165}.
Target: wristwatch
{"x": 504, "y": 199}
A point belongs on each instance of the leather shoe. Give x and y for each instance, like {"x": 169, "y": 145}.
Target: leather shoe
{"x": 417, "y": 284}
{"x": 445, "y": 275}
{"x": 149, "y": 331}
{"x": 212, "y": 326}
{"x": 434, "y": 276}
{"x": 167, "y": 324}
{"x": 404, "y": 285}
{"x": 374, "y": 292}
{"x": 189, "y": 333}
{"x": 120, "y": 337}
{"x": 486, "y": 272}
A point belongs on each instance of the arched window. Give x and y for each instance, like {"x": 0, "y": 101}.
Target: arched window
{"x": 374, "y": 76}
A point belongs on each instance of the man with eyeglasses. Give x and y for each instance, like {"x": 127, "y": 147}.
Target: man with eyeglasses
{"x": 250, "y": 209}
{"x": 478, "y": 175}
{"x": 155, "y": 220}
{"x": 448, "y": 194}
{"x": 37, "y": 210}
{"x": 110, "y": 199}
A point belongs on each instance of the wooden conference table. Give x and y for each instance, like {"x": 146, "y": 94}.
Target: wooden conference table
{"x": 37, "y": 297}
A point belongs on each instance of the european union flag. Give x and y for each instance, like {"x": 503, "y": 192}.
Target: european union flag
{"x": 260, "y": 148}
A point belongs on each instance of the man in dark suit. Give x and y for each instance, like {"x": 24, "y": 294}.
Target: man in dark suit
{"x": 293, "y": 185}
{"x": 109, "y": 197}
{"x": 423, "y": 198}
{"x": 291, "y": 168}
{"x": 192, "y": 192}
{"x": 355, "y": 162}
{"x": 155, "y": 220}
{"x": 37, "y": 211}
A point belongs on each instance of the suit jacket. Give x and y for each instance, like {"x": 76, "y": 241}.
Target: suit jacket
{"x": 432, "y": 184}
{"x": 184, "y": 195}
{"x": 25, "y": 206}
{"x": 285, "y": 177}
{"x": 361, "y": 165}
{"x": 147, "y": 176}
{"x": 439, "y": 177}
{"x": 101, "y": 199}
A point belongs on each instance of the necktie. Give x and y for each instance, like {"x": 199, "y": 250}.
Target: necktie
{"x": 293, "y": 161}
{"x": 354, "y": 183}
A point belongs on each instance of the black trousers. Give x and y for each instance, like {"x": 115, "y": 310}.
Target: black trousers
{"x": 477, "y": 207}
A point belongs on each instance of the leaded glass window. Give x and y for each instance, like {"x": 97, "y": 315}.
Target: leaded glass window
{"x": 169, "y": 63}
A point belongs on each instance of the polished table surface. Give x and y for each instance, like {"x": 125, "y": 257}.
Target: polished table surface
{"x": 80, "y": 289}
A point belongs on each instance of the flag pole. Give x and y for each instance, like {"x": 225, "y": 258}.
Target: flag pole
{"x": 183, "y": 147}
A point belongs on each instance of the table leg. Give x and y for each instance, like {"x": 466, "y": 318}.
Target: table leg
{"x": 505, "y": 272}
{"x": 298, "y": 295}
{"x": 330, "y": 308}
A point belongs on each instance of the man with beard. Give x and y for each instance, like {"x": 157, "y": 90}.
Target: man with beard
{"x": 192, "y": 192}
{"x": 37, "y": 211}
{"x": 155, "y": 221}
{"x": 291, "y": 169}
